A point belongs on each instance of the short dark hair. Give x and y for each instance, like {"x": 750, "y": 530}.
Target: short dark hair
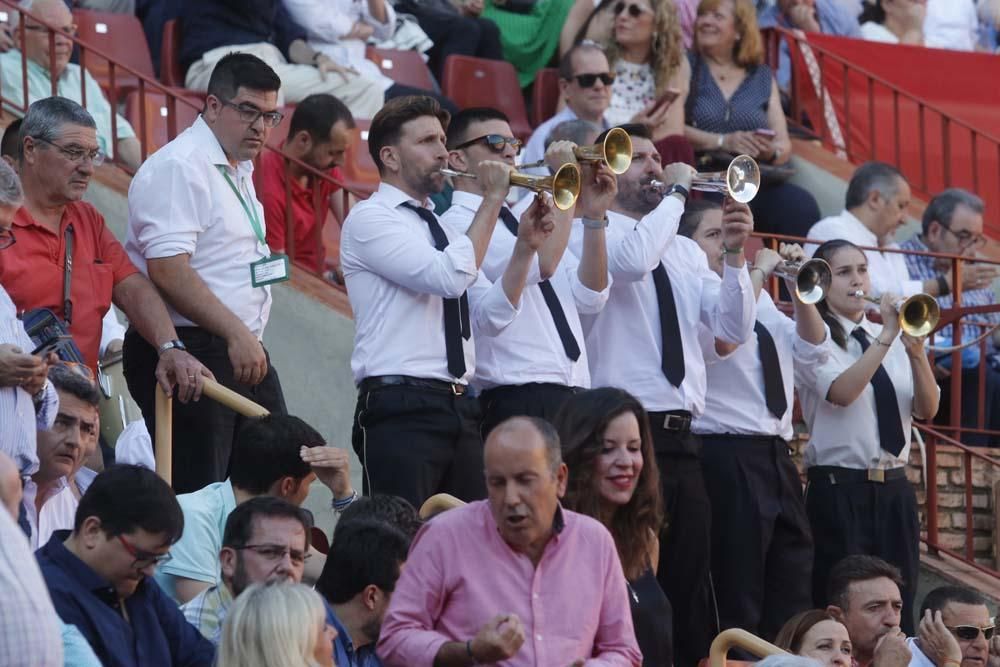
{"x": 240, "y": 523}
{"x": 942, "y": 596}
{"x": 126, "y": 498}
{"x": 694, "y": 213}
{"x": 566, "y": 70}
{"x": 241, "y": 70}
{"x": 317, "y": 114}
{"x": 9, "y": 143}
{"x": 631, "y": 129}
{"x": 459, "y": 125}
{"x": 942, "y": 207}
{"x": 267, "y": 449}
{"x": 70, "y": 382}
{"x": 393, "y": 510}
{"x": 859, "y": 567}
{"x": 869, "y": 177}
{"x": 363, "y": 553}
{"x": 389, "y": 121}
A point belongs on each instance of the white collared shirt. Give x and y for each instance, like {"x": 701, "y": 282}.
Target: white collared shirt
{"x": 624, "y": 341}
{"x": 917, "y": 657}
{"x": 180, "y": 203}
{"x": 848, "y": 436}
{"x": 396, "y": 280}
{"x": 887, "y": 269}
{"x": 58, "y": 511}
{"x": 735, "y": 401}
{"x": 951, "y": 24}
{"x": 529, "y": 350}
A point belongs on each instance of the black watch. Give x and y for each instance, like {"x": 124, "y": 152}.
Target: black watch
{"x": 680, "y": 189}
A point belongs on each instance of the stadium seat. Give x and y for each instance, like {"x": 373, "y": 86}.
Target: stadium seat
{"x": 120, "y": 36}
{"x": 156, "y": 114}
{"x": 545, "y": 95}
{"x": 405, "y": 67}
{"x": 360, "y": 172}
{"x": 477, "y": 82}
{"x": 170, "y": 65}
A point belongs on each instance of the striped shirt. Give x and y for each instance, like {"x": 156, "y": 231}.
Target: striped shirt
{"x": 207, "y": 611}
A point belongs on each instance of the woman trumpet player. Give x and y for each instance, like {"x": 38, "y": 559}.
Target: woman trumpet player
{"x": 859, "y": 406}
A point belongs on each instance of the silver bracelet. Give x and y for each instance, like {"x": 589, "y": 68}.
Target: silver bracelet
{"x": 591, "y": 223}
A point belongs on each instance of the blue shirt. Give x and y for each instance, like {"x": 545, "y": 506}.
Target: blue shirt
{"x": 834, "y": 19}
{"x": 209, "y": 24}
{"x": 157, "y": 634}
{"x": 343, "y": 648}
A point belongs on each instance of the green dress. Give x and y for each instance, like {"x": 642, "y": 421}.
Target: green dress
{"x": 530, "y": 40}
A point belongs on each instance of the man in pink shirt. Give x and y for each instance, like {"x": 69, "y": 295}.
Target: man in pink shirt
{"x": 514, "y": 579}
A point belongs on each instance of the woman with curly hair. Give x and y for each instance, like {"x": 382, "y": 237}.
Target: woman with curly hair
{"x": 608, "y": 448}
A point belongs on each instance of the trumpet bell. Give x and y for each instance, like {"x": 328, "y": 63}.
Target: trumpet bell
{"x": 615, "y": 150}
{"x": 564, "y": 185}
{"x": 812, "y": 279}
{"x": 741, "y": 180}
{"x": 919, "y": 315}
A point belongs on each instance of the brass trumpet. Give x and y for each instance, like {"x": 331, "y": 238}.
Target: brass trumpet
{"x": 741, "y": 180}
{"x": 918, "y": 314}
{"x": 615, "y": 151}
{"x": 564, "y": 184}
{"x": 812, "y": 278}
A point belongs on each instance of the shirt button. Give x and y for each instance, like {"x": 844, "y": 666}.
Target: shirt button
{"x": 535, "y": 596}
{"x": 538, "y": 637}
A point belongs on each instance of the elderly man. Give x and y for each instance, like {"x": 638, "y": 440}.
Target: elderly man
{"x": 956, "y": 628}
{"x": 70, "y": 78}
{"x": 513, "y": 579}
{"x": 259, "y": 534}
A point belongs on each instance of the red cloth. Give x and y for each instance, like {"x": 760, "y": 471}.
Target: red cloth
{"x": 269, "y": 181}
{"x": 31, "y": 270}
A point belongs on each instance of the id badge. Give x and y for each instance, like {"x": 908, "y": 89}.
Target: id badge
{"x": 272, "y": 269}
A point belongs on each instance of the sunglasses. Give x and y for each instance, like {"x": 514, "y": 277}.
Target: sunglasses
{"x": 635, "y": 11}
{"x": 970, "y": 632}
{"x": 496, "y": 142}
{"x": 589, "y": 80}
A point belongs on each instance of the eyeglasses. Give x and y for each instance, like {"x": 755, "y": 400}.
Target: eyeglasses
{"x": 249, "y": 114}
{"x": 275, "y": 552}
{"x": 967, "y": 239}
{"x": 497, "y": 143}
{"x": 635, "y": 11}
{"x": 77, "y": 155}
{"x": 143, "y": 559}
{"x": 7, "y": 238}
{"x": 971, "y": 632}
{"x": 589, "y": 80}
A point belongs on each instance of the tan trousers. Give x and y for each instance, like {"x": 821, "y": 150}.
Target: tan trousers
{"x": 362, "y": 96}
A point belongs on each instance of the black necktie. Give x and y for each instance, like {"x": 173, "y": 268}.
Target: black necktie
{"x": 672, "y": 362}
{"x": 774, "y": 387}
{"x": 890, "y": 426}
{"x": 571, "y": 347}
{"x": 456, "y": 311}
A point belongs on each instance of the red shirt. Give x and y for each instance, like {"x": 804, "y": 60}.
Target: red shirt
{"x": 269, "y": 181}
{"x": 31, "y": 270}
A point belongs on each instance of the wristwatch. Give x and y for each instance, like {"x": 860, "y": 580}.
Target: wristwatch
{"x": 171, "y": 345}
{"x": 591, "y": 223}
{"x": 678, "y": 189}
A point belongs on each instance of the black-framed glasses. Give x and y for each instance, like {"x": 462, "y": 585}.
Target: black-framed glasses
{"x": 634, "y": 10}
{"x": 275, "y": 552}
{"x": 250, "y": 114}
{"x": 589, "y": 80}
{"x": 970, "y": 632}
{"x": 76, "y": 154}
{"x": 143, "y": 559}
{"x": 496, "y": 142}
{"x": 7, "y": 238}
{"x": 967, "y": 239}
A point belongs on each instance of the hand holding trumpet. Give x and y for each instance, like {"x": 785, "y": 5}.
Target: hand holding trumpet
{"x": 537, "y": 222}
{"x": 494, "y": 178}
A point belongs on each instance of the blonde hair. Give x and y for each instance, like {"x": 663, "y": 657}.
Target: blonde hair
{"x": 749, "y": 48}
{"x": 272, "y": 625}
{"x": 666, "y": 49}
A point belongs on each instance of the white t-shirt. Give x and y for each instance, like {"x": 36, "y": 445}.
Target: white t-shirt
{"x": 876, "y": 32}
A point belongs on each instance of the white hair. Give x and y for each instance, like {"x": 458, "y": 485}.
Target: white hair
{"x": 11, "y": 193}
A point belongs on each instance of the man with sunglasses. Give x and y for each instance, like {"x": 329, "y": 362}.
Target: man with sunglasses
{"x": 98, "y": 574}
{"x": 956, "y": 630}
{"x": 533, "y": 365}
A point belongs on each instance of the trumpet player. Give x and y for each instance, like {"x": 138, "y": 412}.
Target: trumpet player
{"x": 533, "y": 365}
{"x": 859, "y": 406}
{"x": 761, "y": 543}
{"x": 645, "y": 341}
{"x": 417, "y": 294}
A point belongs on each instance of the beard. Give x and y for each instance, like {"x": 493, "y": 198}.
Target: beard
{"x": 638, "y": 198}
{"x": 429, "y": 182}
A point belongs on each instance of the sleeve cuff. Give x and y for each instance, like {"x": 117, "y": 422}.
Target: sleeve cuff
{"x": 169, "y": 248}
{"x": 463, "y": 255}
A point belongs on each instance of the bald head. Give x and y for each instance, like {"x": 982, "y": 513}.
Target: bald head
{"x": 36, "y": 38}
{"x": 10, "y": 485}
{"x": 528, "y": 432}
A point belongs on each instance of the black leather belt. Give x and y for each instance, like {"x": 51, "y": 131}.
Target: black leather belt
{"x": 833, "y": 475}
{"x": 672, "y": 420}
{"x": 377, "y": 381}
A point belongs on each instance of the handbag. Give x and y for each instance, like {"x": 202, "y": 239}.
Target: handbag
{"x": 47, "y": 331}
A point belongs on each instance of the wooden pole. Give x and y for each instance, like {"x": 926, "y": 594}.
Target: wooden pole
{"x": 737, "y": 638}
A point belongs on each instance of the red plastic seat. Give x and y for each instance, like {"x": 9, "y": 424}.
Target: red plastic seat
{"x": 156, "y": 113}
{"x": 405, "y": 67}
{"x": 545, "y": 95}
{"x": 477, "y": 82}
{"x": 170, "y": 64}
{"x": 360, "y": 172}
{"x": 120, "y": 36}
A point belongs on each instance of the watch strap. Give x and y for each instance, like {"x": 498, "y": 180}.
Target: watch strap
{"x": 171, "y": 345}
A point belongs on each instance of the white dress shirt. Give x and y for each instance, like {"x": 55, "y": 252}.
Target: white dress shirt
{"x": 179, "y": 203}
{"x": 735, "y": 401}
{"x": 624, "y": 341}
{"x": 58, "y": 511}
{"x": 848, "y": 436}
{"x": 887, "y": 269}
{"x": 529, "y": 350}
{"x": 396, "y": 281}
{"x": 917, "y": 657}
{"x": 951, "y": 24}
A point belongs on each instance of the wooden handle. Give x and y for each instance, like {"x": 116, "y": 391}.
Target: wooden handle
{"x": 232, "y": 400}
{"x": 737, "y": 638}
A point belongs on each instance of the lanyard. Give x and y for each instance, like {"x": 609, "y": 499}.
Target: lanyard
{"x": 250, "y": 211}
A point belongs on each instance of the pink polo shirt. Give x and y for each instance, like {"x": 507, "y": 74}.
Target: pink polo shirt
{"x": 460, "y": 574}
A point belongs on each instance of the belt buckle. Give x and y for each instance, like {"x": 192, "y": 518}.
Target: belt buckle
{"x": 876, "y": 475}
{"x": 457, "y": 389}
{"x": 666, "y": 422}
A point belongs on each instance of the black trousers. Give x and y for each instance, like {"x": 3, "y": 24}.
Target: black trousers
{"x": 685, "y": 545}
{"x": 864, "y": 518}
{"x": 535, "y": 399}
{"x": 455, "y": 34}
{"x": 204, "y": 431}
{"x": 414, "y": 442}
{"x": 762, "y": 549}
